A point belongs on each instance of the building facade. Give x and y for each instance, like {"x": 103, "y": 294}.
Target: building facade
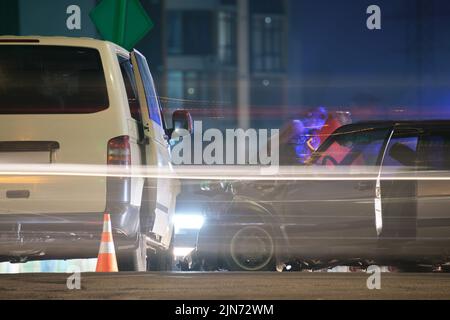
{"x": 211, "y": 48}
{"x": 257, "y": 63}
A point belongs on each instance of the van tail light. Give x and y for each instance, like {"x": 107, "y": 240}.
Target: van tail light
{"x": 118, "y": 188}
{"x": 119, "y": 151}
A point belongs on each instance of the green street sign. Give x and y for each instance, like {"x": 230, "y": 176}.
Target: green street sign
{"x": 124, "y": 22}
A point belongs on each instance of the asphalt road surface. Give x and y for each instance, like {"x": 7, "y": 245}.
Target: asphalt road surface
{"x": 240, "y": 286}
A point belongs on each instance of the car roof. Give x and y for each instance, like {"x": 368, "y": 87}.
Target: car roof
{"x": 379, "y": 124}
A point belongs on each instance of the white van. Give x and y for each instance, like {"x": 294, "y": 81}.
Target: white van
{"x": 84, "y": 102}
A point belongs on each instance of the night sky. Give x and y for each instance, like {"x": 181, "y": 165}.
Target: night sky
{"x": 400, "y": 71}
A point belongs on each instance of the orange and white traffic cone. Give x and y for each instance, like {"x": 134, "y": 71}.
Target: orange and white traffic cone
{"x": 107, "y": 261}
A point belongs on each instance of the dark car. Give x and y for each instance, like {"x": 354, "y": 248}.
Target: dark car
{"x": 378, "y": 192}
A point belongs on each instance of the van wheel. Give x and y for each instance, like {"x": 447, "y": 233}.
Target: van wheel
{"x": 160, "y": 261}
{"x": 135, "y": 260}
{"x": 250, "y": 248}
{"x": 147, "y": 211}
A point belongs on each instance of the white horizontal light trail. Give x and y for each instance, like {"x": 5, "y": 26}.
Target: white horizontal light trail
{"x": 242, "y": 173}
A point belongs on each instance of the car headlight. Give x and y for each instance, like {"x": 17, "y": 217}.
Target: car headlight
{"x": 188, "y": 222}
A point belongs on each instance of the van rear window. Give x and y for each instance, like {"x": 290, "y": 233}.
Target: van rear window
{"x": 51, "y": 80}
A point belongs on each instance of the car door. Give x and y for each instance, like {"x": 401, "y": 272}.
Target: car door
{"x": 337, "y": 216}
{"x": 397, "y": 220}
{"x": 433, "y": 195}
{"x": 157, "y": 152}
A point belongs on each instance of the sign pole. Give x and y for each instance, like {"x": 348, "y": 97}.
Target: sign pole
{"x": 121, "y": 20}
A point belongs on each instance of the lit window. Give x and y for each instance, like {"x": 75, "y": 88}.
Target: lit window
{"x": 267, "y": 43}
{"x": 227, "y": 38}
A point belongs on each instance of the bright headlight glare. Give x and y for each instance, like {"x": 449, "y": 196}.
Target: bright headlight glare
{"x": 188, "y": 221}
{"x": 182, "y": 251}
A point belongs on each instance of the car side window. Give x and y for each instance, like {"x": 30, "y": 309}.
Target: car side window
{"x": 130, "y": 86}
{"x": 150, "y": 92}
{"x": 402, "y": 150}
{"x": 435, "y": 151}
{"x": 352, "y": 149}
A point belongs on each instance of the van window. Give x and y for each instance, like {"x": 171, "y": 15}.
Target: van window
{"x": 51, "y": 80}
{"x": 130, "y": 86}
{"x": 150, "y": 92}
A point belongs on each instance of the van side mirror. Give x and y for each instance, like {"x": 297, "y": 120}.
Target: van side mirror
{"x": 182, "y": 124}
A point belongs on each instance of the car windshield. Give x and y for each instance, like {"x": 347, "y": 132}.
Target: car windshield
{"x": 51, "y": 79}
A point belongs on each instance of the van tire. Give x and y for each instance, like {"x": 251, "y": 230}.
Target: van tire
{"x": 160, "y": 260}
{"x": 147, "y": 210}
{"x": 136, "y": 259}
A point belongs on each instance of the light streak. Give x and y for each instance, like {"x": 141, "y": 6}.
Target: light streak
{"x": 240, "y": 173}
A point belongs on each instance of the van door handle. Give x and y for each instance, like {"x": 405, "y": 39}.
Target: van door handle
{"x": 364, "y": 185}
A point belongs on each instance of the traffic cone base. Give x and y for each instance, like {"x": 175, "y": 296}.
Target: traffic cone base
{"x": 107, "y": 261}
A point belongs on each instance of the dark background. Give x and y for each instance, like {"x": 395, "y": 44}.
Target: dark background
{"x": 311, "y": 53}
